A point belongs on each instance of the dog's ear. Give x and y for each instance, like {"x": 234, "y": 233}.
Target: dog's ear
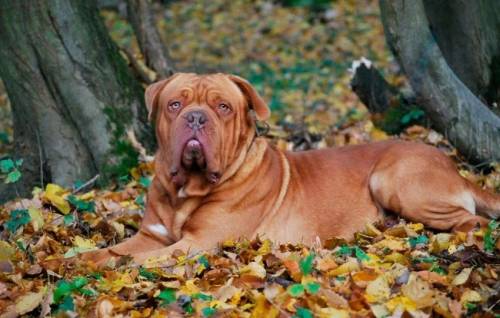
{"x": 255, "y": 101}
{"x": 153, "y": 93}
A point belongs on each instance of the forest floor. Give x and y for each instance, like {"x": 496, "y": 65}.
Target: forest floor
{"x": 299, "y": 59}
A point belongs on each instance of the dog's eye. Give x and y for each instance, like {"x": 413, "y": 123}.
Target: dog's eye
{"x": 224, "y": 108}
{"x": 174, "y": 105}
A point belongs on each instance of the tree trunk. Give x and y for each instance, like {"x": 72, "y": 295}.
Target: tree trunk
{"x": 72, "y": 94}
{"x": 469, "y": 38}
{"x": 155, "y": 53}
{"x": 454, "y": 110}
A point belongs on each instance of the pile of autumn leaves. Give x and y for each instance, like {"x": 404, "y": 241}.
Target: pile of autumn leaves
{"x": 393, "y": 269}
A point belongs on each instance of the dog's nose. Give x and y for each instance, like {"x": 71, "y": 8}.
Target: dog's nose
{"x": 196, "y": 119}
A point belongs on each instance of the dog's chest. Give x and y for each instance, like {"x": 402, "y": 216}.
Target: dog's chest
{"x": 182, "y": 213}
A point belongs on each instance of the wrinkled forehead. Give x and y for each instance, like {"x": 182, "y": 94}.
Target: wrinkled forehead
{"x": 194, "y": 88}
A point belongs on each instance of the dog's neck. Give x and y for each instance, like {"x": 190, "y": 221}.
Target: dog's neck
{"x": 247, "y": 161}
{"x": 197, "y": 186}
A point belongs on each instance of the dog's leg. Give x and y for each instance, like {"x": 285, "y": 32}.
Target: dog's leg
{"x": 487, "y": 204}
{"x": 134, "y": 245}
{"x": 430, "y": 192}
{"x": 155, "y": 231}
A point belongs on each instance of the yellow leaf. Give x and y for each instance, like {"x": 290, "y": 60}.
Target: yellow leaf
{"x": 80, "y": 245}
{"x": 255, "y": 269}
{"x": 396, "y": 258}
{"x": 379, "y": 311}
{"x": 29, "y": 302}
{"x": 419, "y": 291}
{"x": 55, "y": 195}
{"x": 81, "y": 242}
{"x": 345, "y": 268}
{"x": 36, "y": 218}
{"x": 189, "y": 287}
{"x": 6, "y": 251}
{"x": 265, "y": 248}
{"x": 116, "y": 282}
{"x": 440, "y": 242}
{"x": 417, "y": 227}
{"x": 264, "y": 309}
{"x": 395, "y": 244}
{"x": 401, "y": 302}
{"x": 462, "y": 277}
{"x": 87, "y": 196}
{"x": 470, "y": 296}
{"x": 378, "y": 290}
{"x": 372, "y": 230}
{"x": 378, "y": 135}
{"x": 333, "y": 313}
{"x": 119, "y": 228}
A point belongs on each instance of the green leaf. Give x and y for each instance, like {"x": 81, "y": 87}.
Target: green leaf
{"x": 421, "y": 239}
{"x": 360, "y": 254}
{"x": 303, "y": 313}
{"x": 19, "y": 162}
{"x": 167, "y": 296}
{"x": 87, "y": 292}
{"x": 13, "y": 176}
{"x": 147, "y": 274}
{"x": 344, "y": 251}
{"x": 204, "y": 261}
{"x": 6, "y": 165}
{"x": 312, "y": 287}
{"x": 63, "y": 288}
{"x": 208, "y": 311}
{"x": 489, "y": 240}
{"x": 427, "y": 259}
{"x": 306, "y": 264}
{"x": 67, "y": 304}
{"x": 22, "y": 245}
{"x": 188, "y": 308}
{"x": 140, "y": 200}
{"x": 4, "y": 137}
{"x": 96, "y": 275}
{"x": 68, "y": 219}
{"x": 296, "y": 290}
{"x": 17, "y": 219}
{"x": 80, "y": 205}
{"x": 145, "y": 182}
{"x": 413, "y": 114}
{"x": 79, "y": 282}
{"x": 202, "y": 296}
{"x": 340, "y": 278}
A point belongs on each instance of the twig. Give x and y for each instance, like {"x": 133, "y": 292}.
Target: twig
{"x": 86, "y": 184}
{"x": 137, "y": 146}
{"x": 146, "y": 75}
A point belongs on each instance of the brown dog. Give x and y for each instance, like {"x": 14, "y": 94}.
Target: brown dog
{"x": 215, "y": 180}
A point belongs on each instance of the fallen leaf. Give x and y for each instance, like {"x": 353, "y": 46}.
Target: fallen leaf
{"x": 29, "y": 301}
{"x": 56, "y": 196}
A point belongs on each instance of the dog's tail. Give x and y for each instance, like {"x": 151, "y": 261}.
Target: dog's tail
{"x": 487, "y": 203}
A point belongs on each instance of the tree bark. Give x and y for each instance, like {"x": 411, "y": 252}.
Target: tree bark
{"x": 468, "y": 123}
{"x": 469, "y": 38}
{"x": 72, "y": 94}
{"x": 154, "y": 51}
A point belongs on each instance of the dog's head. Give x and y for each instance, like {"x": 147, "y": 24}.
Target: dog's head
{"x": 203, "y": 122}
